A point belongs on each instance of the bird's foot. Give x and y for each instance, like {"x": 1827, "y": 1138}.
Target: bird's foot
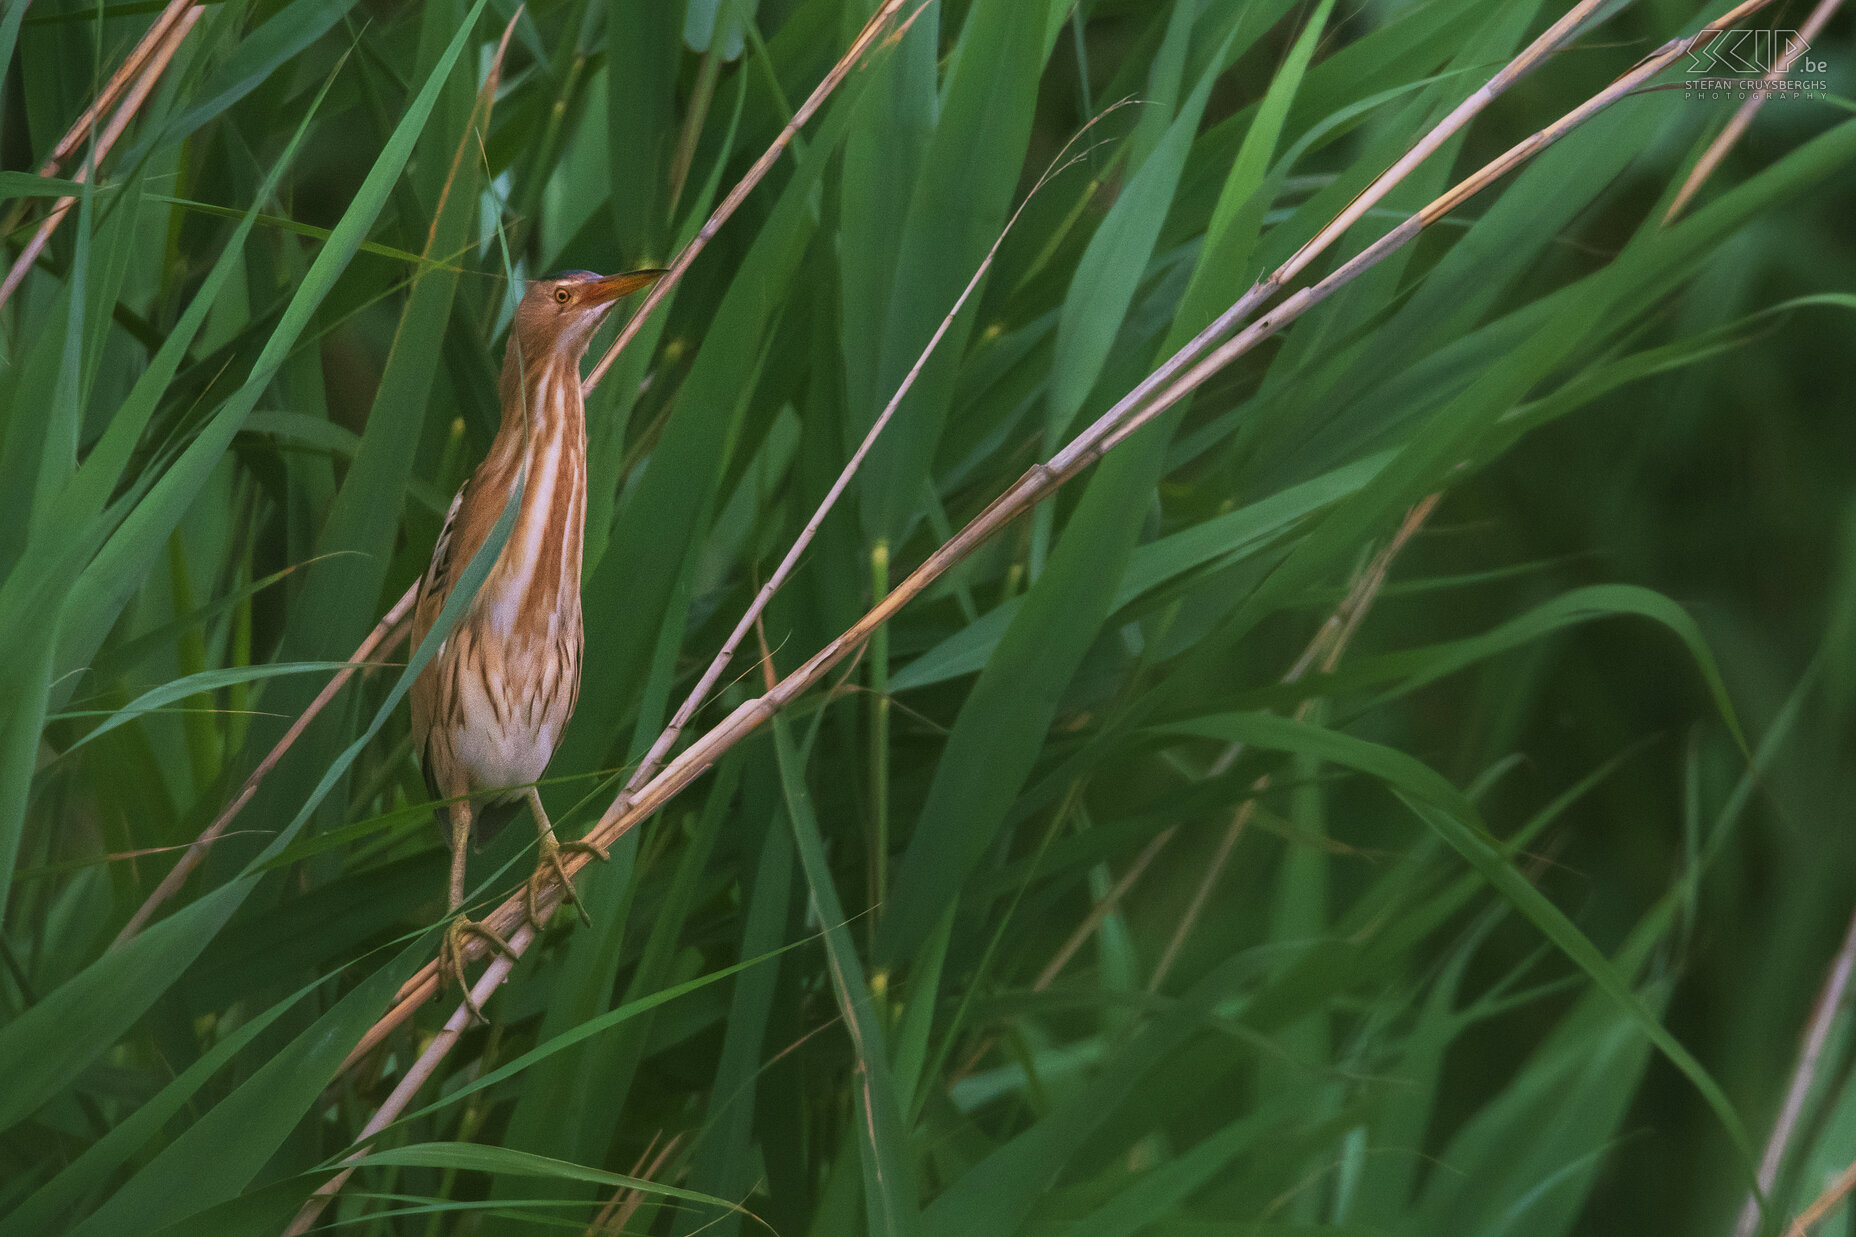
{"x": 550, "y": 865}
{"x": 451, "y": 955}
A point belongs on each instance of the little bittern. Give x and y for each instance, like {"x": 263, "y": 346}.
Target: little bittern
{"x": 489, "y": 709}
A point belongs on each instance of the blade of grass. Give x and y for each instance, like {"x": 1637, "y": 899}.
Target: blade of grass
{"x": 109, "y": 995}
{"x": 968, "y": 174}
{"x": 381, "y": 641}
{"x": 723, "y": 1156}
{"x": 50, "y": 1204}
{"x": 1441, "y": 807}
{"x": 219, "y": 1155}
{"x": 889, "y": 1189}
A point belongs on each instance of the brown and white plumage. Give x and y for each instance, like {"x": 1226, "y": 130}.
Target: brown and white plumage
{"x": 489, "y": 709}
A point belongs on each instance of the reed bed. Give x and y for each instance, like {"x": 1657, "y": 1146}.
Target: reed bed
{"x": 1156, "y": 663}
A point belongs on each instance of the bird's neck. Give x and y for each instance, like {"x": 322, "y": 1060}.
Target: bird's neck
{"x": 543, "y": 436}
{"x": 541, "y": 396}
{"x": 544, "y": 420}
{"x": 543, "y": 429}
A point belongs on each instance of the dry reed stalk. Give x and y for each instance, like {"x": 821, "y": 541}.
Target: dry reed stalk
{"x": 699, "y": 695}
{"x": 1131, "y": 414}
{"x": 1824, "y": 1203}
{"x": 1530, "y": 57}
{"x": 1711, "y": 158}
{"x": 853, "y": 55}
{"x": 1563, "y": 29}
{"x": 153, "y": 67}
{"x": 408, "y": 1086}
{"x": 1097, "y": 913}
{"x": 1116, "y": 425}
{"x": 1810, "y": 1056}
{"x": 119, "y": 81}
{"x": 112, "y": 90}
{"x": 624, "y": 1204}
{"x": 1527, "y": 61}
{"x": 387, "y": 633}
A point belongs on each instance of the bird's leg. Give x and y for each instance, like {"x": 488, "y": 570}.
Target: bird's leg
{"x": 549, "y": 864}
{"x": 461, "y": 927}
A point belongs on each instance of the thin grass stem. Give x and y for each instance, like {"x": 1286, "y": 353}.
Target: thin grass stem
{"x": 879, "y": 742}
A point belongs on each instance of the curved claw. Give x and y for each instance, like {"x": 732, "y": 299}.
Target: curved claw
{"x": 451, "y": 955}
{"x": 549, "y": 864}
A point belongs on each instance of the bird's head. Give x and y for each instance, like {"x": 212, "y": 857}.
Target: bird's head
{"x": 560, "y": 313}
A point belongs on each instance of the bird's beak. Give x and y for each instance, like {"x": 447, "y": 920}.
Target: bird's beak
{"x": 612, "y": 287}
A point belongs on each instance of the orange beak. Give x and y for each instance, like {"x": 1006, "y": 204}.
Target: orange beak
{"x": 612, "y": 287}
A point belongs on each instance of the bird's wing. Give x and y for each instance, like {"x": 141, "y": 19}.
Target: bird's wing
{"x": 437, "y": 582}
{"x": 468, "y": 522}
{"x": 434, "y": 587}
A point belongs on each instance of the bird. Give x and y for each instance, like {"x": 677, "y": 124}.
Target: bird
{"x": 489, "y": 707}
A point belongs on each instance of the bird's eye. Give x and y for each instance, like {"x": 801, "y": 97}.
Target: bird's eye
{"x": 560, "y": 294}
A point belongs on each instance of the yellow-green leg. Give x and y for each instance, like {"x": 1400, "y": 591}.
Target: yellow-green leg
{"x": 549, "y": 863}
{"x": 462, "y": 927}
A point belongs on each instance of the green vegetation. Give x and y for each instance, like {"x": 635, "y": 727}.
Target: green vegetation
{"x": 1503, "y": 913}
